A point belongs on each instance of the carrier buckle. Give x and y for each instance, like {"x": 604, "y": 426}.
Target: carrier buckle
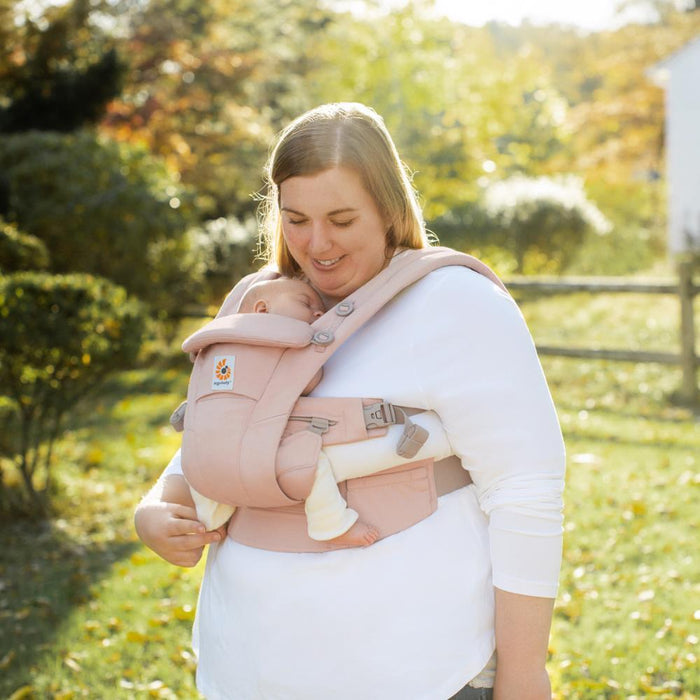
{"x": 320, "y": 425}
{"x": 317, "y": 425}
{"x": 379, "y": 415}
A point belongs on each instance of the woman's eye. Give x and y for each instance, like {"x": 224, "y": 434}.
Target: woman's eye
{"x": 296, "y": 222}
{"x": 344, "y": 224}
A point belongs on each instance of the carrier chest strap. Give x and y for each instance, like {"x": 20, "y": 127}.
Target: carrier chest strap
{"x": 343, "y": 420}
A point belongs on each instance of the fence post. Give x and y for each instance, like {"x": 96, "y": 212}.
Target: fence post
{"x": 686, "y": 290}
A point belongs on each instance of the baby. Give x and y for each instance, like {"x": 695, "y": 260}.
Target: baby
{"x": 327, "y": 514}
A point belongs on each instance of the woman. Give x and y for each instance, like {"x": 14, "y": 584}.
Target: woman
{"x": 418, "y": 614}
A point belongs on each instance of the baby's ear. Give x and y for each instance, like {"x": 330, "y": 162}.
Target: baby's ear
{"x": 260, "y": 307}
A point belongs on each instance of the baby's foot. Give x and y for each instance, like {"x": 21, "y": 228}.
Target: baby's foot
{"x": 359, "y": 535}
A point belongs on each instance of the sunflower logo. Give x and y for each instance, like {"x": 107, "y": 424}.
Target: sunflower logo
{"x": 223, "y": 370}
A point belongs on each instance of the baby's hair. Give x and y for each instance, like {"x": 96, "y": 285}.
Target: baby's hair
{"x": 252, "y": 295}
{"x": 259, "y": 291}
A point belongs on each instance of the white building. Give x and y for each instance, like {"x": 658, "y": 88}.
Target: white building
{"x": 679, "y": 75}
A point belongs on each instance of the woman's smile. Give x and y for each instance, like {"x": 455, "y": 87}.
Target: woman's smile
{"x": 328, "y": 263}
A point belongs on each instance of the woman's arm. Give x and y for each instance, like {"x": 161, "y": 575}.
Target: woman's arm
{"x": 522, "y": 639}
{"x": 482, "y": 376}
{"x": 166, "y": 521}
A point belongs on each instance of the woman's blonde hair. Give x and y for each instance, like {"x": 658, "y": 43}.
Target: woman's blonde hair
{"x": 348, "y": 135}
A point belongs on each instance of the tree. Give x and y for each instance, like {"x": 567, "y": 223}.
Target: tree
{"x": 57, "y": 74}
{"x": 208, "y": 86}
{"x": 62, "y": 335}
{"x": 461, "y": 108}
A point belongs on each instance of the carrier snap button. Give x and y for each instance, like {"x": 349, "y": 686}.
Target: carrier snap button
{"x": 323, "y": 337}
{"x": 345, "y": 308}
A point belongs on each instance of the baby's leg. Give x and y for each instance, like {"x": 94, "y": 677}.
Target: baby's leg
{"x": 210, "y": 513}
{"x": 357, "y": 459}
{"x": 327, "y": 514}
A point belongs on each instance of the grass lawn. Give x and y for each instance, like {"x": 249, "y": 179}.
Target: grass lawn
{"x": 87, "y": 612}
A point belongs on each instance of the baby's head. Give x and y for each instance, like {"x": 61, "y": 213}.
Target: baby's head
{"x": 283, "y": 296}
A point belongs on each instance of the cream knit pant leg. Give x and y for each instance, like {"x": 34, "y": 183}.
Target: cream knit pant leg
{"x": 327, "y": 513}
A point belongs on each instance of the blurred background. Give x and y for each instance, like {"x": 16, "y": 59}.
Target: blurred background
{"x": 133, "y": 134}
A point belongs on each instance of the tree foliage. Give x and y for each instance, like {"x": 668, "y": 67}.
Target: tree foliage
{"x": 62, "y": 335}
{"x": 209, "y": 85}
{"x": 468, "y": 107}
{"x": 460, "y": 109}
{"x": 59, "y": 73}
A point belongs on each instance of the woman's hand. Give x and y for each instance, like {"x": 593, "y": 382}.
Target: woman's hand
{"x": 166, "y": 521}
{"x": 173, "y": 532}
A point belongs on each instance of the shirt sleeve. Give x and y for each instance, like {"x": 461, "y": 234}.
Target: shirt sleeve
{"x": 174, "y": 465}
{"x": 483, "y": 378}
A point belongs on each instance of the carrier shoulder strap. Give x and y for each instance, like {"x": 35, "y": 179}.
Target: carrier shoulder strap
{"x": 298, "y": 366}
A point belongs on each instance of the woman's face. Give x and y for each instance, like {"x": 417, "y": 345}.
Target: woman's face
{"x": 333, "y": 230}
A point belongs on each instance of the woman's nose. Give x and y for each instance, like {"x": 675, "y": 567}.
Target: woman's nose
{"x": 320, "y": 240}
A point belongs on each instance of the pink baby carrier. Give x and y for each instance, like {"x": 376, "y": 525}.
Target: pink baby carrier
{"x": 252, "y": 441}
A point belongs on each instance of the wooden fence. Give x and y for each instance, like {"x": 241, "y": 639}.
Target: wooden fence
{"x": 684, "y": 288}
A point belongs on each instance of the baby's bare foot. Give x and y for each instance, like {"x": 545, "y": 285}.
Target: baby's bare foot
{"x": 359, "y": 535}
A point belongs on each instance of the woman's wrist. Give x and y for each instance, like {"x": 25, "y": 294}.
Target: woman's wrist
{"x": 532, "y": 684}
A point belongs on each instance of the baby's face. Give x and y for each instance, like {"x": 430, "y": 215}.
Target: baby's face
{"x": 295, "y": 299}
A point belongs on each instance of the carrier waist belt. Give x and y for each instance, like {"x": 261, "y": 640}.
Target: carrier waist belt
{"x": 392, "y": 500}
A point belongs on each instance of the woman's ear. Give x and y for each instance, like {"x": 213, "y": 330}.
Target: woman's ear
{"x": 260, "y": 307}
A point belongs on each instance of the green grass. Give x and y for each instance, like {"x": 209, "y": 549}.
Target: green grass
{"x": 87, "y": 612}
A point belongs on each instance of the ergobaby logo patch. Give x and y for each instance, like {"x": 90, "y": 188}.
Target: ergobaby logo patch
{"x": 222, "y": 379}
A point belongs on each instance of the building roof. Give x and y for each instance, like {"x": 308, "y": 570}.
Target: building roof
{"x": 659, "y": 73}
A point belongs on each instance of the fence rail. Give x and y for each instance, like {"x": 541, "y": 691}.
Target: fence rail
{"x": 684, "y": 288}
{"x": 545, "y": 285}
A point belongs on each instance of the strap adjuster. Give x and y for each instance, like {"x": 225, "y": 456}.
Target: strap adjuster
{"x": 412, "y": 439}
{"x": 320, "y": 426}
{"x": 317, "y": 424}
{"x": 379, "y": 415}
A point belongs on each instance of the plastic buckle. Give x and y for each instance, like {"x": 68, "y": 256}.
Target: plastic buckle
{"x": 379, "y": 415}
{"x": 177, "y": 419}
{"x": 320, "y": 426}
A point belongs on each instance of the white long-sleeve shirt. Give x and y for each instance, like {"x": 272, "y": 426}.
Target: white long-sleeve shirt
{"x": 412, "y": 615}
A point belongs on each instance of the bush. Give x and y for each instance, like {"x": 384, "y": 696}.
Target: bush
{"x": 99, "y": 207}
{"x": 20, "y": 251}
{"x": 543, "y": 216}
{"x": 225, "y": 248}
{"x": 540, "y": 221}
{"x": 62, "y": 335}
